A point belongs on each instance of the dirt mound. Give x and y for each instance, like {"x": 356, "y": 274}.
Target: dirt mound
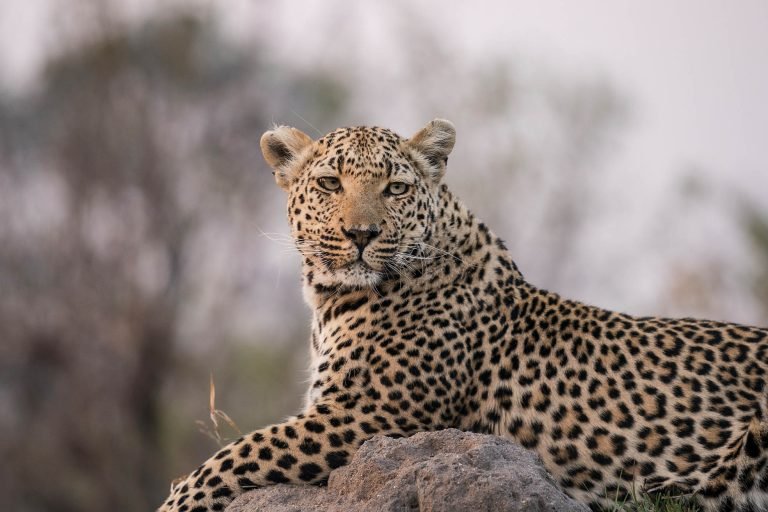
{"x": 446, "y": 471}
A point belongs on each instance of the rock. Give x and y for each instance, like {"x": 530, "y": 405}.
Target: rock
{"x": 445, "y": 471}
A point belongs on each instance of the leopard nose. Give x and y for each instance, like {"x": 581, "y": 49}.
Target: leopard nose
{"x": 361, "y": 236}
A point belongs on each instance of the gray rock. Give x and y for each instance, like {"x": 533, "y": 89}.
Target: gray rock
{"x": 446, "y": 471}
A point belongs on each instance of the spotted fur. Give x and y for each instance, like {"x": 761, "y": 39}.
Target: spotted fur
{"x": 422, "y": 321}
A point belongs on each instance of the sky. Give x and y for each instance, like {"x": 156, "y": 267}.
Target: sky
{"x": 693, "y": 72}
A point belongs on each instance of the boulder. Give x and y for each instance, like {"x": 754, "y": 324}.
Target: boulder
{"x": 445, "y": 471}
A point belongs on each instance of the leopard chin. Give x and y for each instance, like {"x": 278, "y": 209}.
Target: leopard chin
{"x": 359, "y": 274}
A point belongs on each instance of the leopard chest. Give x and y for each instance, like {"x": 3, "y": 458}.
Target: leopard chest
{"x": 407, "y": 354}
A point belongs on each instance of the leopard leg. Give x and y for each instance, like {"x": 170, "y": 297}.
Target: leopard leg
{"x": 303, "y": 449}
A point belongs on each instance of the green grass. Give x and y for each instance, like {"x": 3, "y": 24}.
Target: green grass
{"x": 658, "y": 502}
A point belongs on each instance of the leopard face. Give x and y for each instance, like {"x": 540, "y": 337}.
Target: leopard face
{"x": 361, "y": 202}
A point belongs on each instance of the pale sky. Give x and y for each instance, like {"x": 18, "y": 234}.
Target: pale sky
{"x": 695, "y": 71}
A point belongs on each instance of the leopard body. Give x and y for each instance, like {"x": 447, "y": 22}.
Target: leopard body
{"x": 422, "y": 321}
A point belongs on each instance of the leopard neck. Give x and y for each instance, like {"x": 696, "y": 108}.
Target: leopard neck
{"x": 462, "y": 238}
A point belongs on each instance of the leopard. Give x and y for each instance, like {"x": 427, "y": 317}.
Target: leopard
{"x": 422, "y": 321}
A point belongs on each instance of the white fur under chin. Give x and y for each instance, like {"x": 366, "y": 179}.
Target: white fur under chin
{"x": 358, "y": 275}
{"x": 355, "y": 276}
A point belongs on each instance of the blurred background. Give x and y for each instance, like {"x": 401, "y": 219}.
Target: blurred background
{"x": 618, "y": 147}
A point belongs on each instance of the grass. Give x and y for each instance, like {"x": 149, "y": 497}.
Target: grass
{"x": 214, "y": 430}
{"x": 657, "y": 502}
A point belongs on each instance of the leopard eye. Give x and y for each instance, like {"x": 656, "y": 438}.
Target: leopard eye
{"x": 397, "y": 188}
{"x": 329, "y": 184}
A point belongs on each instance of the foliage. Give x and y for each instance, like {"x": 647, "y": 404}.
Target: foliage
{"x": 128, "y": 164}
{"x": 658, "y": 502}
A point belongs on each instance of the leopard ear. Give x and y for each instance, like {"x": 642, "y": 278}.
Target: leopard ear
{"x": 282, "y": 148}
{"x": 434, "y": 142}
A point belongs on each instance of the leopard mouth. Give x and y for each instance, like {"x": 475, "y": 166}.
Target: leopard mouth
{"x": 358, "y": 264}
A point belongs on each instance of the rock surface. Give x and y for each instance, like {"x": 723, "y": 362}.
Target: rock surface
{"x": 446, "y": 471}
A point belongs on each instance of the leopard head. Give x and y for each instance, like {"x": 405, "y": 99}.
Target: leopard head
{"x": 361, "y": 201}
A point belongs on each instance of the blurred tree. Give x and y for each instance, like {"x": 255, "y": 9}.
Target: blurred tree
{"x": 531, "y": 139}
{"x": 141, "y": 143}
